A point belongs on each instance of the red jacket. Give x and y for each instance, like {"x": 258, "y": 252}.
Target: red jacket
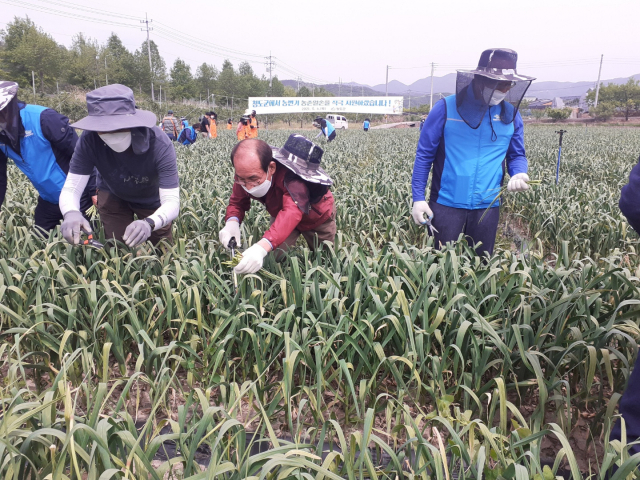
{"x": 289, "y": 213}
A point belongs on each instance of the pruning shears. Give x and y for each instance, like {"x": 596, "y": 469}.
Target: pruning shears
{"x": 430, "y": 226}
{"x": 232, "y": 246}
{"x": 87, "y": 239}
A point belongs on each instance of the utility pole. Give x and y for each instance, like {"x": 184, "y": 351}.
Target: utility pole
{"x": 33, "y": 82}
{"x": 386, "y": 87}
{"x": 106, "y": 78}
{"x": 299, "y": 83}
{"x": 270, "y": 66}
{"x": 146, "y": 21}
{"x": 598, "y": 85}
{"x": 431, "y": 95}
{"x": 94, "y": 77}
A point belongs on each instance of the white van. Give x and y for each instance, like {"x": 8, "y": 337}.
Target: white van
{"x": 338, "y": 121}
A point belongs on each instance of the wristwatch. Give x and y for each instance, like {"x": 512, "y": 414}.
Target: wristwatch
{"x": 150, "y": 221}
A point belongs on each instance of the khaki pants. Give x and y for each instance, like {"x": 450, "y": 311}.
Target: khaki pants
{"x": 314, "y": 238}
{"x": 116, "y": 215}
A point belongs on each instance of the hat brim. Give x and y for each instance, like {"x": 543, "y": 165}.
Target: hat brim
{"x": 110, "y": 123}
{"x": 500, "y": 77}
{"x": 313, "y": 175}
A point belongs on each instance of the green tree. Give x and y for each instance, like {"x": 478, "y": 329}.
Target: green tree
{"x": 27, "y": 48}
{"x": 205, "y": 80}
{"x": 182, "y": 85}
{"x": 120, "y": 62}
{"x": 144, "y": 75}
{"x": 304, "y": 92}
{"x": 559, "y": 113}
{"x": 623, "y": 98}
{"x": 83, "y": 67}
{"x": 277, "y": 88}
{"x": 227, "y": 86}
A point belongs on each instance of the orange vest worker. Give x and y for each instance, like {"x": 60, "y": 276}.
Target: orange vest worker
{"x": 253, "y": 132}
{"x": 213, "y": 128}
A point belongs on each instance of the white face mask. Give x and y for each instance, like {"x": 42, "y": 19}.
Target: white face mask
{"x": 260, "y": 190}
{"x": 117, "y": 141}
{"x": 494, "y": 99}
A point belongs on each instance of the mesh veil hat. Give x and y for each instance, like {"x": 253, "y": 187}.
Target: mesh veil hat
{"x": 8, "y": 90}
{"x": 302, "y": 157}
{"x": 113, "y": 108}
{"x": 475, "y": 88}
{"x": 499, "y": 64}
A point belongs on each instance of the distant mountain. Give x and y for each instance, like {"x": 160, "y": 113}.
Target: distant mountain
{"x": 446, "y": 85}
{"x": 344, "y": 90}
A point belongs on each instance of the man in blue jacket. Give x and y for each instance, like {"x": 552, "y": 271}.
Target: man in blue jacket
{"x": 326, "y": 128}
{"x": 630, "y": 401}
{"x": 40, "y": 142}
{"x": 189, "y": 134}
{"x": 470, "y": 139}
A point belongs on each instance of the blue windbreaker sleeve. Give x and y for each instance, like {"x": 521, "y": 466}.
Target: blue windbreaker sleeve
{"x": 430, "y": 138}
{"x": 3, "y": 177}
{"x": 516, "y": 156}
{"x": 630, "y": 198}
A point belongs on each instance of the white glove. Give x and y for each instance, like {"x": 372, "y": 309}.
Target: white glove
{"x": 418, "y": 211}
{"x": 231, "y": 229}
{"x": 136, "y": 233}
{"x": 72, "y": 226}
{"x": 518, "y": 183}
{"x": 252, "y": 259}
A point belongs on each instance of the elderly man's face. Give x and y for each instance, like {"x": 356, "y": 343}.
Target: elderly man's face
{"x": 249, "y": 172}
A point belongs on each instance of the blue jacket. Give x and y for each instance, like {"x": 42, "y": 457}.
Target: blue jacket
{"x": 630, "y": 198}
{"x": 468, "y": 164}
{"x": 365, "y": 124}
{"x": 188, "y": 136}
{"x": 46, "y": 148}
{"x": 330, "y": 129}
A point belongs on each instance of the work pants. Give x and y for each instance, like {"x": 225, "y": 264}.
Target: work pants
{"x": 630, "y": 411}
{"x": 314, "y": 238}
{"x": 116, "y": 215}
{"x": 451, "y": 222}
{"x": 48, "y": 215}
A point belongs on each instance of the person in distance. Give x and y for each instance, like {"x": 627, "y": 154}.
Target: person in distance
{"x": 213, "y": 124}
{"x": 470, "y": 139}
{"x": 365, "y": 124}
{"x": 170, "y": 126}
{"x": 253, "y": 125}
{"x": 326, "y": 128}
{"x": 292, "y": 186}
{"x": 40, "y": 142}
{"x": 137, "y": 166}
{"x": 189, "y": 134}
{"x": 243, "y": 128}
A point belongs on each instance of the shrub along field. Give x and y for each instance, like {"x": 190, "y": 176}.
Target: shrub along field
{"x": 379, "y": 358}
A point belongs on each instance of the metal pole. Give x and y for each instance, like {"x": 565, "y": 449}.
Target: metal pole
{"x": 57, "y": 88}
{"x": 33, "y": 82}
{"x": 598, "y": 85}
{"x": 160, "y": 95}
{"x": 431, "y": 95}
{"x": 106, "y": 78}
{"x": 146, "y": 21}
{"x": 386, "y": 86}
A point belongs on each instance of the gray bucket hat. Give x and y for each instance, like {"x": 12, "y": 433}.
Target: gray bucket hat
{"x": 8, "y": 90}
{"x": 114, "y": 108}
{"x": 302, "y": 157}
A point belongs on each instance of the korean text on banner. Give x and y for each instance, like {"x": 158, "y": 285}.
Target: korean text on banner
{"x": 371, "y": 105}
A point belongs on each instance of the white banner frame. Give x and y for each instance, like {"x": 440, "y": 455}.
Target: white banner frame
{"x": 368, "y": 105}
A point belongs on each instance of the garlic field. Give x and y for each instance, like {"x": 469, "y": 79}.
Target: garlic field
{"x": 379, "y": 358}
